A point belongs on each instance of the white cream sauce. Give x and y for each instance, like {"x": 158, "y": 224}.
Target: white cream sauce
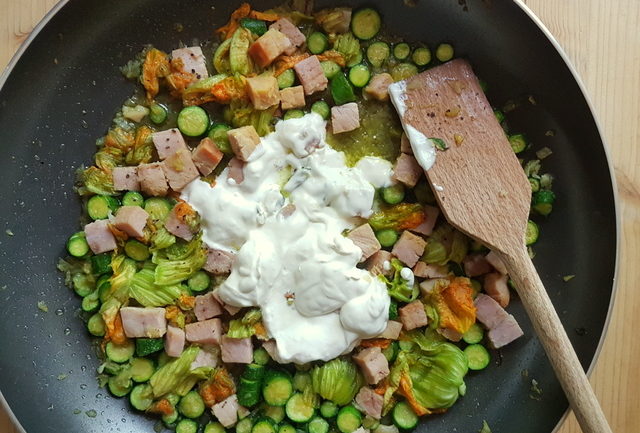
{"x": 423, "y": 148}
{"x": 299, "y": 269}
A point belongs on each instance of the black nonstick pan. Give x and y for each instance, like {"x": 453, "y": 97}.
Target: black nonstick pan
{"x": 62, "y": 90}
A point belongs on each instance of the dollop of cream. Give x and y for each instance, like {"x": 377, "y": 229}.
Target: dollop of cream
{"x": 298, "y": 267}
{"x": 423, "y": 148}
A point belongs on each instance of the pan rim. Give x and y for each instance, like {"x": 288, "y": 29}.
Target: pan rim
{"x": 574, "y": 73}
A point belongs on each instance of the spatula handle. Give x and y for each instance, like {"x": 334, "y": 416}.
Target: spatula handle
{"x": 556, "y": 343}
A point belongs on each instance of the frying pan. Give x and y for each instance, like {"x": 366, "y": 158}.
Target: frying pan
{"x": 62, "y": 90}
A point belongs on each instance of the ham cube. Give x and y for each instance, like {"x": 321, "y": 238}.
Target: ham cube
{"x": 207, "y": 307}
{"x": 231, "y": 309}
{"x": 243, "y": 141}
{"x": 424, "y": 270}
{"x": 152, "y": 179}
{"x": 227, "y": 411}
{"x": 99, "y": 237}
{"x": 206, "y": 156}
{"x": 219, "y": 262}
{"x": 177, "y": 226}
{"x": 205, "y": 332}
{"x": 380, "y": 263}
{"x": 269, "y": 46}
{"x": 179, "y": 169}
{"x": 392, "y": 331}
{"x": 143, "y": 322}
{"x": 193, "y": 61}
{"x": 168, "y": 142}
{"x": 476, "y": 265}
{"x": 495, "y": 285}
{"x": 131, "y": 220}
{"x": 378, "y": 87}
{"x": 505, "y": 332}
{"x": 373, "y": 364}
{"x": 174, "y": 341}
{"x": 405, "y": 144}
{"x": 370, "y": 402}
{"x": 125, "y": 179}
{"x": 413, "y": 315}
{"x": 409, "y": 248}
{"x": 365, "y": 239}
{"x": 292, "y": 97}
{"x": 345, "y": 118}
{"x": 488, "y": 311}
{"x": 407, "y": 170}
{"x": 311, "y": 75}
{"x": 236, "y": 170}
{"x": 496, "y": 262}
{"x": 334, "y": 20}
{"x": 426, "y": 227}
{"x": 237, "y": 350}
{"x": 295, "y": 36}
{"x": 208, "y": 356}
{"x": 263, "y": 91}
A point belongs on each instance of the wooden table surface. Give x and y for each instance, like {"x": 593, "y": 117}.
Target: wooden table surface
{"x": 603, "y": 42}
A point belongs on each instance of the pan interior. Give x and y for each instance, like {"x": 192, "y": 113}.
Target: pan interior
{"x": 63, "y": 92}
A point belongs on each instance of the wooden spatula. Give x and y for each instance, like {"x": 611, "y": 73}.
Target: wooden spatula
{"x": 483, "y": 191}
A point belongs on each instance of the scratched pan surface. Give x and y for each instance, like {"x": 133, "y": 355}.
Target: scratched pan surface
{"x": 62, "y": 93}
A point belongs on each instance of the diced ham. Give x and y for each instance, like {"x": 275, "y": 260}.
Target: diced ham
{"x": 295, "y": 36}
{"x": 409, "y": 248}
{"x": 334, "y": 20}
{"x": 179, "y": 169}
{"x": 505, "y": 332}
{"x": 488, "y": 311}
{"x": 143, "y": 322}
{"x": 208, "y": 356}
{"x": 392, "y": 331}
{"x": 407, "y": 170}
{"x": 272, "y": 349}
{"x": 237, "y": 350}
{"x": 231, "y": 309}
{"x": 496, "y": 262}
{"x": 269, "y": 46}
{"x": 205, "y": 332}
{"x": 345, "y": 118}
{"x": 99, "y": 237}
{"x": 311, "y": 75}
{"x": 365, "y": 239}
{"x": 450, "y": 334}
{"x": 227, "y": 411}
{"x": 207, "y": 307}
{"x": 193, "y": 61}
{"x": 168, "y": 142}
{"x": 236, "y": 170}
{"x": 405, "y": 145}
{"x": 413, "y": 315}
{"x": 176, "y": 226}
{"x": 495, "y": 284}
{"x": 243, "y": 141}
{"x": 292, "y": 97}
{"x": 378, "y": 87}
{"x": 131, "y": 220}
{"x": 373, "y": 364}
{"x": 476, "y": 265}
{"x": 376, "y": 263}
{"x": 206, "y": 156}
{"x": 219, "y": 262}
{"x": 263, "y": 91}
{"x": 152, "y": 179}
{"x": 424, "y": 270}
{"x": 125, "y": 179}
{"x": 370, "y": 402}
{"x": 426, "y": 227}
{"x": 174, "y": 341}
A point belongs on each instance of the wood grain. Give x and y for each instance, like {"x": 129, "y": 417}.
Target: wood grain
{"x": 602, "y": 40}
